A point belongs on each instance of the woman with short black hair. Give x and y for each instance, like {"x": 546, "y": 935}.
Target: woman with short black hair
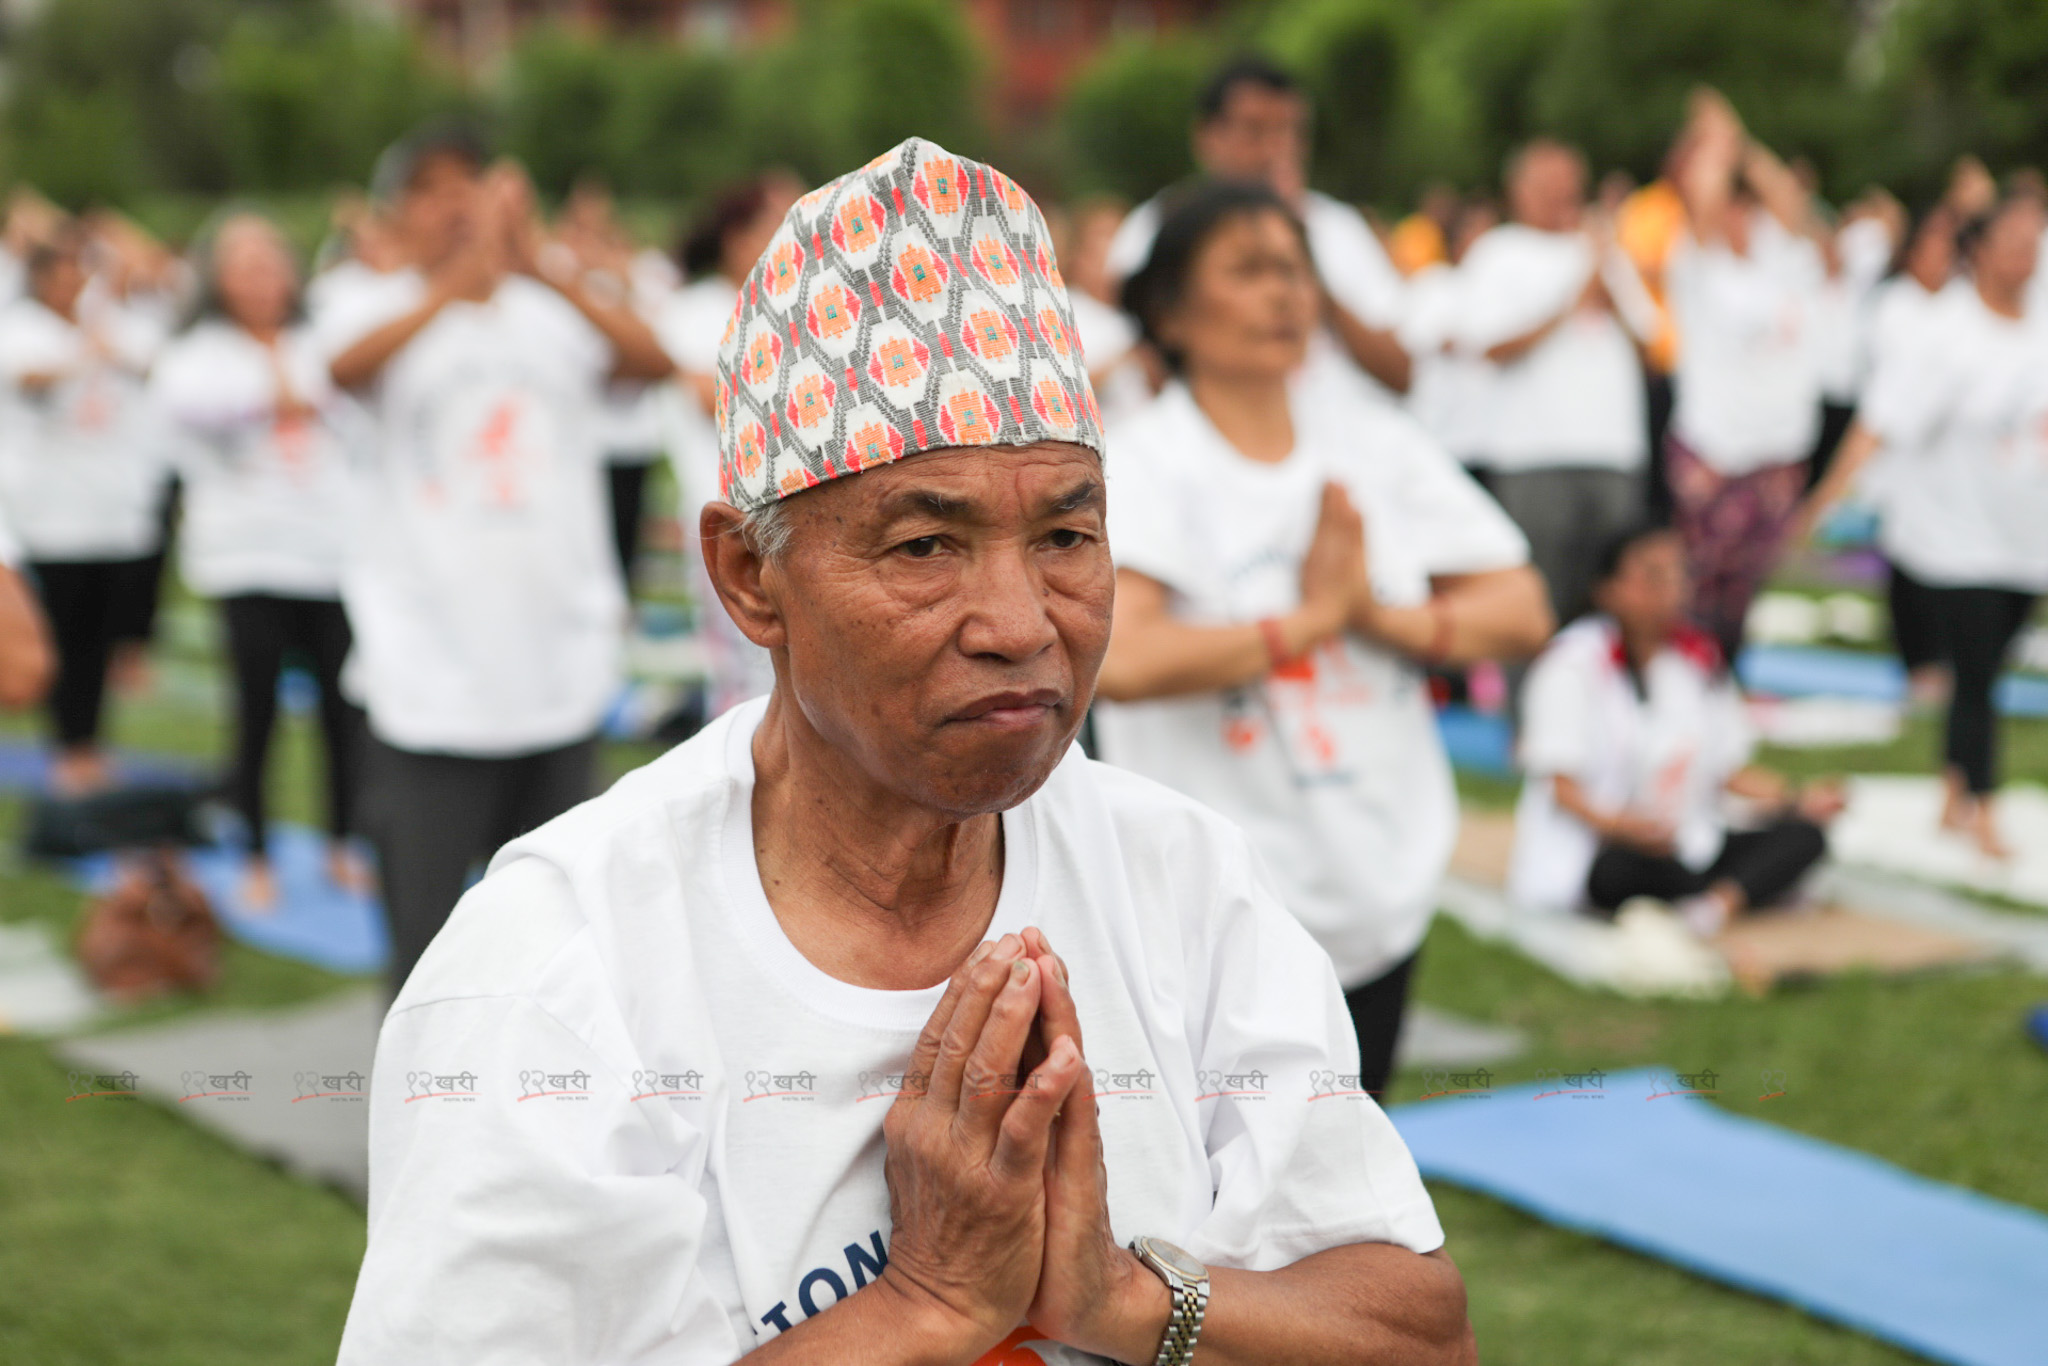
{"x": 1294, "y": 560}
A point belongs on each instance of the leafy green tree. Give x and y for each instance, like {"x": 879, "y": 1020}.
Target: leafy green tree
{"x": 1957, "y": 76}
{"x": 1124, "y": 123}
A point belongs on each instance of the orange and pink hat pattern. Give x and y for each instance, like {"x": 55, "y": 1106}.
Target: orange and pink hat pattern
{"x": 909, "y": 305}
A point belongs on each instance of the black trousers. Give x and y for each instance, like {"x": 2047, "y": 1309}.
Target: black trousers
{"x": 262, "y": 630}
{"x": 1659, "y": 398}
{"x": 1834, "y": 425}
{"x": 1916, "y": 626}
{"x": 143, "y": 592}
{"x": 1765, "y": 863}
{"x": 628, "y": 488}
{"x": 432, "y": 817}
{"x": 1376, "y": 1011}
{"x": 87, "y": 604}
{"x": 1977, "y": 628}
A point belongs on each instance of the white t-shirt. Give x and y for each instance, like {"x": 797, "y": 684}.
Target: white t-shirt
{"x": 1334, "y": 766}
{"x": 267, "y": 499}
{"x": 10, "y": 548}
{"x": 1450, "y": 389}
{"x": 1666, "y": 754}
{"x": 1865, "y": 249}
{"x": 482, "y": 587}
{"x": 81, "y": 462}
{"x": 670, "y": 1145}
{"x": 690, "y": 325}
{"x": 1748, "y": 382}
{"x": 1963, "y": 413}
{"x": 1575, "y": 399}
{"x": 1354, "y": 267}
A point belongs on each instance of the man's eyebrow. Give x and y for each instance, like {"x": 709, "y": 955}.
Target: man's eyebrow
{"x": 928, "y": 503}
{"x": 1087, "y": 493}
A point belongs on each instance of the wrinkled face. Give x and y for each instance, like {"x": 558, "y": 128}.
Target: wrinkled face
{"x": 1650, "y": 590}
{"x": 1250, "y": 301}
{"x": 945, "y": 618}
{"x": 440, "y": 208}
{"x": 1549, "y": 189}
{"x": 254, "y": 272}
{"x": 1259, "y": 134}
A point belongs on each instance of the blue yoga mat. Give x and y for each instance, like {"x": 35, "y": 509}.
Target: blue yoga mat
{"x": 1477, "y": 742}
{"x": 314, "y": 921}
{"x": 1811, "y": 671}
{"x": 1937, "y": 1269}
{"x": 25, "y": 767}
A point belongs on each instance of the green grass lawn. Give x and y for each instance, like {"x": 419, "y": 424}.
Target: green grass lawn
{"x": 130, "y": 1236}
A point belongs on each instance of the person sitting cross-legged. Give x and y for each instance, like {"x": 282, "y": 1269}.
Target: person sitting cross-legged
{"x": 1633, "y": 740}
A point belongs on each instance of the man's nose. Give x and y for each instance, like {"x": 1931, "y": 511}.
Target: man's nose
{"x": 1006, "y": 616}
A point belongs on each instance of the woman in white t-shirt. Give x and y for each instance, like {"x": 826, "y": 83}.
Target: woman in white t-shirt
{"x": 1633, "y": 740}
{"x": 250, "y": 407}
{"x": 1744, "y": 287}
{"x": 1898, "y": 311}
{"x": 79, "y": 479}
{"x": 715, "y": 257}
{"x": 1961, "y": 415}
{"x": 1264, "y": 660}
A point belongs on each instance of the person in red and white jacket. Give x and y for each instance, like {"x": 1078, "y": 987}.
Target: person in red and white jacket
{"x": 1633, "y": 741}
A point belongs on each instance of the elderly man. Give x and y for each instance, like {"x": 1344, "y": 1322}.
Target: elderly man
{"x": 877, "y": 1023}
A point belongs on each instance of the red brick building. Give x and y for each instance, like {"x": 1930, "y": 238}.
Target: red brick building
{"x": 1035, "y": 44}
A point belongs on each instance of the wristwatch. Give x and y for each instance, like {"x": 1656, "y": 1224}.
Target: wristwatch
{"x": 1188, "y": 1281}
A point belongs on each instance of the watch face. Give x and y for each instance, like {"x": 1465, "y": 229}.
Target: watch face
{"x": 1180, "y": 1261}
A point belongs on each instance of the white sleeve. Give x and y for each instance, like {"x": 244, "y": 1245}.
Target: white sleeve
{"x": 1557, "y": 721}
{"x": 1353, "y": 265}
{"x": 1447, "y": 515}
{"x": 1506, "y": 298}
{"x": 1293, "y": 1174}
{"x": 29, "y": 346}
{"x": 353, "y": 310}
{"x": 1915, "y": 383}
{"x": 10, "y": 548}
{"x": 1146, "y": 534}
{"x": 539, "y": 1231}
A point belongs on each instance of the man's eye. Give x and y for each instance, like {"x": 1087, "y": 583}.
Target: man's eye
{"x": 924, "y": 547}
{"x": 1066, "y": 538}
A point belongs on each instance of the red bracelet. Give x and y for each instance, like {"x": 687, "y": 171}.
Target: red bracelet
{"x": 1276, "y": 642}
{"x": 1440, "y": 639}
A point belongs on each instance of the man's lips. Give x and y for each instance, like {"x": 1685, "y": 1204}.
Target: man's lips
{"x": 1010, "y": 710}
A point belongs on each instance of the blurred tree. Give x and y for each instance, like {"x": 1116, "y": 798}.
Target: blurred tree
{"x": 1475, "y": 75}
{"x": 562, "y": 89}
{"x": 1125, "y": 120}
{"x": 106, "y": 97}
{"x": 1617, "y": 82}
{"x": 672, "y": 127}
{"x": 1358, "y": 61}
{"x": 1956, "y": 76}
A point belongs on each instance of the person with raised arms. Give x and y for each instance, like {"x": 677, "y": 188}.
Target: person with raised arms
{"x": 876, "y": 1022}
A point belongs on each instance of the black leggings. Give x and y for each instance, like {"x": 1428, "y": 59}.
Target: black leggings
{"x": 627, "y": 486}
{"x": 1977, "y": 628}
{"x": 87, "y": 602}
{"x": 1765, "y": 863}
{"x": 1376, "y": 1011}
{"x": 1916, "y": 627}
{"x": 261, "y": 629}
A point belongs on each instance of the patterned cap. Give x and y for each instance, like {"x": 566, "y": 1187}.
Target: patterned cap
{"x": 909, "y": 305}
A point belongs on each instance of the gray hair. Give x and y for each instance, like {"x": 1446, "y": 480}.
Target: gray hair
{"x": 767, "y": 529}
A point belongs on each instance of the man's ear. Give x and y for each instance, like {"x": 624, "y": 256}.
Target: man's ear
{"x": 743, "y": 580}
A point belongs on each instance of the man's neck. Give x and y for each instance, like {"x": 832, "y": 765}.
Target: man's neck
{"x": 871, "y": 887}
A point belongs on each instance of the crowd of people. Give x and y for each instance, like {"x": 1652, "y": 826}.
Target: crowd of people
{"x": 1561, "y": 441}
{"x": 1375, "y": 458}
